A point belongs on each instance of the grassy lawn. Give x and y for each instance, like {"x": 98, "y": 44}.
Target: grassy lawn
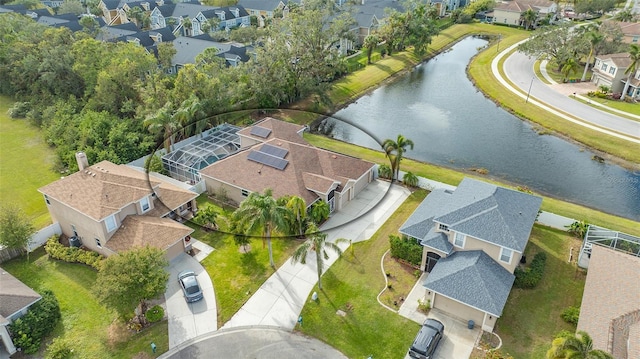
{"x": 352, "y": 284}
{"x": 453, "y": 177}
{"x": 25, "y": 166}
{"x": 632, "y": 108}
{"x": 90, "y": 329}
{"x": 236, "y": 276}
{"x": 531, "y": 317}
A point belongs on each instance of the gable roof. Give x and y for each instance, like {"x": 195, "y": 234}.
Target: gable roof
{"x": 365, "y": 13}
{"x": 139, "y": 231}
{"x": 104, "y": 188}
{"x": 521, "y": 6}
{"x": 610, "y": 272}
{"x": 472, "y": 278}
{"x": 309, "y": 169}
{"x": 188, "y": 48}
{"x": 264, "y": 5}
{"x": 279, "y": 129}
{"x": 622, "y": 59}
{"x": 189, "y": 9}
{"x": 14, "y": 295}
{"x": 494, "y": 214}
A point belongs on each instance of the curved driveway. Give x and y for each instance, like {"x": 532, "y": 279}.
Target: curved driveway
{"x": 519, "y": 70}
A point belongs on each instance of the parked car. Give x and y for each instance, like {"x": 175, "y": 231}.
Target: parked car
{"x": 427, "y": 340}
{"x": 190, "y": 287}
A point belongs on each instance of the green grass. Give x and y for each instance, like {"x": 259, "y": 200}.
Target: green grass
{"x": 91, "y": 329}
{"x": 453, "y": 177}
{"x": 531, "y": 317}
{"x": 237, "y": 276}
{"x": 352, "y": 284}
{"x": 25, "y": 166}
{"x": 628, "y": 107}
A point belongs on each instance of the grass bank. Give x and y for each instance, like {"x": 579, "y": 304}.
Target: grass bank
{"x": 26, "y": 165}
{"x": 90, "y": 329}
{"x": 453, "y": 177}
{"x": 352, "y": 284}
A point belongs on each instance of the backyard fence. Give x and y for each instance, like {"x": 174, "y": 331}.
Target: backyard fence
{"x": 37, "y": 240}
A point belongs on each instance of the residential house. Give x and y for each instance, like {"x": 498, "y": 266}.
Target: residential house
{"x": 610, "y": 309}
{"x": 226, "y": 17}
{"x": 188, "y": 48}
{"x": 15, "y": 300}
{"x": 609, "y": 70}
{"x": 112, "y": 32}
{"x": 473, "y": 238}
{"x": 148, "y": 39}
{"x": 370, "y": 15}
{"x": 276, "y": 156}
{"x": 510, "y": 12}
{"x": 630, "y": 31}
{"x": 113, "y": 208}
{"x": 52, "y": 3}
{"x": 264, "y": 10}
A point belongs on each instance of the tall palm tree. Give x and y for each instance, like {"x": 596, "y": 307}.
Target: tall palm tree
{"x": 298, "y": 208}
{"x": 395, "y": 151}
{"x": 163, "y": 123}
{"x": 570, "y": 66}
{"x": 317, "y": 243}
{"x": 529, "y": 18}
{"x": 575, "y": 346}
{"x": 370, "y": 43}
{"x": 634, "y": 56}
{"x": 261, "y": 212}
{"x": 191, "y": 116}
{"x": 594, "y": 39}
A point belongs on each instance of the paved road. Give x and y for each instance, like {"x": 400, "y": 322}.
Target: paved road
{"x": 519, "y": 70}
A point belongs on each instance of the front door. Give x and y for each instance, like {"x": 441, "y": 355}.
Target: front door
{"x": 432, "y": 259}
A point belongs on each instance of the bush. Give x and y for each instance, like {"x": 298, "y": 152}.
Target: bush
{"x": 406, "y": 249}
{"x": 154, "y": 314}
{"x": 530, "y": 277}
{"x": 19, "y": 110}
{"x": 56, "y": 250}
{"x": 58, "y": 349}
{"x": 27, "y": 332}
{"x": 384, "y": 171}
{"x": 571, "y": 315}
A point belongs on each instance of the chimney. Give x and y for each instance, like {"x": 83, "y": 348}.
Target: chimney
{"x": 82, "y": 160}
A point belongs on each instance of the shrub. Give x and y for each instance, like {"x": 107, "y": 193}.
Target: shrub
{"x": 154, "y": 314}
{"x": 578, "y": 228}
{"x": 27, "y": 332}
{"x": 58, "y": 349}
{"x": 530, "y": 277}
{"x": 56, "y": 250}
{"x": 571, "y": 315}
{"x": 384, "y": 171}
{"x": 406, "y": 249}
{"x": 410, "y": 179}
{"x": 19, "y": 110}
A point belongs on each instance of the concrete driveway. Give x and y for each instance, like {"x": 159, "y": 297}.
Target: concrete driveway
{"x": 189, "y": 320}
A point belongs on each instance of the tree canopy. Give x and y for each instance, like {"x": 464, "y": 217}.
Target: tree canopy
{"x": 15, "y": 228}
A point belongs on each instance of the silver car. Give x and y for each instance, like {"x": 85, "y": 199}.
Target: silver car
{"x": 190, "y": 286}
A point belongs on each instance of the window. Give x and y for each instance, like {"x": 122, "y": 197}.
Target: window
{"x": 144, "y": 204}
{"x": 612, "y": 70}
{"x": 98, "y": 243}
{"x": 635, "y": 39}
{"x": 459, "y": 240}
{"x": 443, "y": 227}
{"x": 506, "y": 254}
{"x": 244, "y": 193}
{"x": 46, "y": 199}
{"x": 110, "y": 222}
{"x": 73, "y": 229}
{"x": 604, "y": 67}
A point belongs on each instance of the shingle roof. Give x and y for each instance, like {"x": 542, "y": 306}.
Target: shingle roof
{"x": 139, "y": 231}
{"x": 265, "y": 5}
{"x": 104, "y": 188}
{"x": 494, "y": 214}
{"x": 473, "y": 278}
{"x": 306, "y": 165}
{"x": 622, "y": 60}
{"x": 612, "y": 290}
{"x": 14, "y": 295}
{"x": 187, "y": 48}
{"x": 365, "y": 12}
{"x": 279, "y": 129}
{"x": 437, "y": 240}
{"x": 190, "y": 10}
{"x": 520, "y": 6}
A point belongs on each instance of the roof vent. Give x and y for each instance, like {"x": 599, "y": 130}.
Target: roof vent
{"x": 334, "y": 156}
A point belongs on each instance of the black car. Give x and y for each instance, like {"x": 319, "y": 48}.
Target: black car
{"x": 427, "y": 340}
{"x": 190, "y": 286}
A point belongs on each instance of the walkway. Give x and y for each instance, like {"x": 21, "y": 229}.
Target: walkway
{"x": 279, "y": 301}
{"x": 519, "y": 70}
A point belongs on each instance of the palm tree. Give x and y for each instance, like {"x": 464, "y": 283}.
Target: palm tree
{"x": 570, "y": 66}
{"x": 163, "y": 123}
{"x": 319, "y": 212}
{"x": 410, "y": 179}
{"x": 529, "y": 17}
{"x": 575, "y": 346}
{"x": 261, "y": 212}
{"x": 298, "y": 208}
{"x": 634, "y": 56}
{"x": 370, "y": 43}
{"x": 317, "y": 243}
{"x": 191, "y": 116}
{"x": 594, "y": 39}
{"x": 207, "y": 216}
{"x": 395, "y": 151}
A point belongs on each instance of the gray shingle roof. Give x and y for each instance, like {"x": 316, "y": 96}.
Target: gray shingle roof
{"x": 437, "y": 240}
{"x": 266, "y": 5}
{"x": 494, "y": 214}
{"x": 14, "y": 295}
{"x": 473, "y": 278}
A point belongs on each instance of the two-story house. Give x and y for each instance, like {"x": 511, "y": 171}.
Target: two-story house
{"x": 473, "y": 238}
{"x": 510, "y": 12}
{"x": 113, "y": 208}
{"x": 226, "y": 18}
{"x": 609, "y": 70}
{"x": 265, "y": 10}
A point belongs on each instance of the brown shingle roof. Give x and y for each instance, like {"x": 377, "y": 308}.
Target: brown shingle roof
{"x": 14, "y": 295}
{"x": 139, "y": 231}
{"x": 104, "y": 188}
{"x": 612, "y": 290}
{"x": 305, "y": 162}
{"x": 279, "y": 129}
{"x": 621, "y": 60}
{"x": 523, "y": 5}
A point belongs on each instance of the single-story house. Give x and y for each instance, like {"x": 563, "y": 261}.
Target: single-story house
{"x": 15, "y": 299}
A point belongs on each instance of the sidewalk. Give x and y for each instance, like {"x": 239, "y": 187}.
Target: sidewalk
{"x": 279, "y": 301}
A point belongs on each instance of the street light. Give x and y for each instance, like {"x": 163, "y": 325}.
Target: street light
{"x": 529, "y": 92}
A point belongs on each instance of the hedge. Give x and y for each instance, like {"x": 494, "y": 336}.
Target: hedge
{"x": 27, "y": 332}
{"x": 56, "y": 250}
{"x": 407, "y": 249}
{"x": 531, "y": 276}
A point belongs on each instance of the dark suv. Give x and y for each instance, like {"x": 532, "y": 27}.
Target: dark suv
{"x": 427, "y": 340}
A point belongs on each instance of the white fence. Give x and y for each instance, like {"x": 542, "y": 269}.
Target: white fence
{"x": 37, "y": 240}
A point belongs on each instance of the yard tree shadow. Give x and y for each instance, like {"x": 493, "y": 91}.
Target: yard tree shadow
{"x": 251, "y": 266}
